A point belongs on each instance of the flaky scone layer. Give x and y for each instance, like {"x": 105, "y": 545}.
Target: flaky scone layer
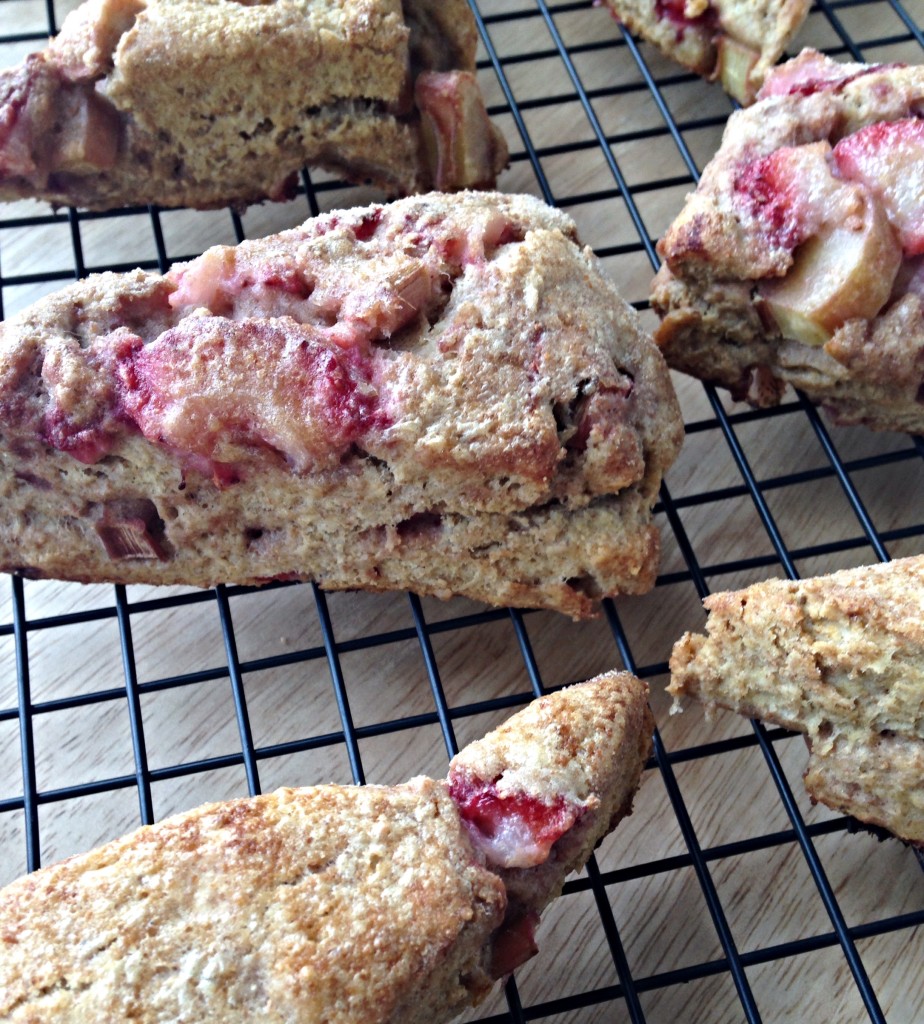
{"x": 839, "y": 658}
{"x": 444, "y": 394}
{"x": 343, "y": 904}
{"x": 798, "y": 260}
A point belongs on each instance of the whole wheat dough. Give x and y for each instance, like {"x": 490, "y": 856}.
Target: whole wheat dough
{"x": 349, "y": 905}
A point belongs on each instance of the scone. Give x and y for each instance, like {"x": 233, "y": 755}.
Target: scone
{"x": 734, "y": 41}
{"x": 443, "y": 395}
{"x": 798, "y": 259}
{"x": 349, "y": 905}
{"x": 209, "y": 102}
{"x": 839, "y": 658}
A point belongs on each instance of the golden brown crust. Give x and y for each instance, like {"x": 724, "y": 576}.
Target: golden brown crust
{"x": 840, "y": 658}
{"x": 215, "y": 102}
{"x": 326, "y": 903}
{"x": 444, "y": 395}
{"x": 341, "y": 904}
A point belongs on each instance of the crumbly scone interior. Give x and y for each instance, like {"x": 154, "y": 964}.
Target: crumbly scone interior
{"x": 798, "y": 258}
{"x": 838, "y": 658}
{"x": 451, "y": 396}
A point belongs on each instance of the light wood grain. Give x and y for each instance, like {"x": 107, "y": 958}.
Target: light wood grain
{"x": 768, "y": 896}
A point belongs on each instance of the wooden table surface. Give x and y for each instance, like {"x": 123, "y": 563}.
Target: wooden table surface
{"x": 713, "y": 795}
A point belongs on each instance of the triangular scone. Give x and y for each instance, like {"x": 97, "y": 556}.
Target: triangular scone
{"x": 798, "y": 259}
{"x": 209, "y": 102}
{"x": 443, "y": 395}
{"x": 349, "y": 905}
{"x": 734, "y": 41}
{"x": 839, "y": 658}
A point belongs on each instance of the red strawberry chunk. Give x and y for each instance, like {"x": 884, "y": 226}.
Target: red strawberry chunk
{"x": 513, "y": 830}
{"x": 86, "y": 443}
{"x": 888, "y": 157}
{"x": 792, "y": 193}
{"x": 211, "y": 386}
{"x": 768, "y": 190}
{"x": 813, "y": 72}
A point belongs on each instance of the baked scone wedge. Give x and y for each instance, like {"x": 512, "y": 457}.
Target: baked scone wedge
{"x": 839, "y": 658}
{"x": 443, "y": 395}
{"x": 349, "y": 905}
{"x": 204, "y": 102}
{"x": 736, "y": 42}
{"x": 798, "y": 259}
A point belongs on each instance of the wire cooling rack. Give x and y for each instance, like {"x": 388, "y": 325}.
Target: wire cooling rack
{"x": 726, "y": 896}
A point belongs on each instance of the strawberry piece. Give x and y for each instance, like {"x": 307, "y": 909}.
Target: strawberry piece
{"x": 86, "y": 443}
{"x": 813, "y": 72}
{"x": 211, "y": 386}
{"x": 772, "y": 190}
{"x": 513, "y": 830}
{"x": 794, "y": 194}
{"x": 888, "y": 157}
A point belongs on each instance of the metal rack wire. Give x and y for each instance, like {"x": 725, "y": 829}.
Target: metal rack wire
{"x": 807, "y": 498}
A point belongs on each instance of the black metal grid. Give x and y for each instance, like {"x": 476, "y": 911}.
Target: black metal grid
{"x": 847, "y": 468}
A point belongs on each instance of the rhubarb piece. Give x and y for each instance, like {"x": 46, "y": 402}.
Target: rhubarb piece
{"x": 839, "y": 658}
{"x": 462, "y": 150}
{"x": 794, "y": 261}
{"x": 734, "y": 42}
{"x": 843, "y": 272}
{"x": 736, "y": 65}
{"x": 345, "y": 904}
{"x": 196, "y": 103}
{"x": 132, "y": 529}
{"x": 443, "y": 395}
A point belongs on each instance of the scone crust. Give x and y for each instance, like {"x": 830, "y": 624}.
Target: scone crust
{"x": 714, "y": 324}
{"x": 479, "y": 429}
{"x": 321, "y": 904}
{"x": 839, "y": 658}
